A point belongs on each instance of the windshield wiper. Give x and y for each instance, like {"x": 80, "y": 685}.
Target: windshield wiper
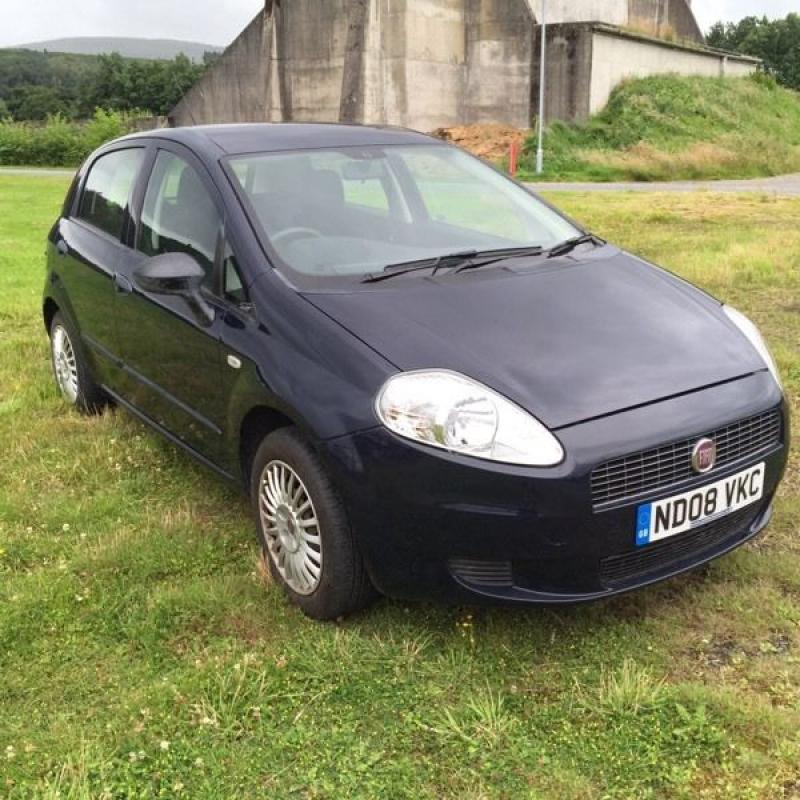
{"x": 462, "y": 261}
{"x": 570, "y": 244}
{"x": 496, "y": 256}
{"x": 473, "y": 259}
{"x": 436, "y": 263}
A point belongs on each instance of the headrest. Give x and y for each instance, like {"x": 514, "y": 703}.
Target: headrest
{"x": 325, "y": 186}
{"x": 191, "y": 190}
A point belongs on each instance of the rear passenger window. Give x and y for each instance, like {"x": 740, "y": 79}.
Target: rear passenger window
{"x": 179, "y": 215}
{"x": 108, "y": 190}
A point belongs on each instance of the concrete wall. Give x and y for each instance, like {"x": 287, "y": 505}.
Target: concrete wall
{"x": 287, "y": 64}
{"x": 437, "y": 63}
{"x": 424, "y": 57}
{"x": 667, "y": 18}
{"x": 616, "y": 56}
{"x": 420, "y": 63}
{"x": 499, "y": 54}
{"x": 238, "y": 87}
{"x": 569, "y": 71}
{"x": 427, "y": 64}
{"x": 314, "y": 35}
{"x": 614, "y": 12}
{"x": 654, "y": 17}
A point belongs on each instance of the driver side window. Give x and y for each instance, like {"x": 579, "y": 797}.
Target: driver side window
{"x": 179, "y": 215}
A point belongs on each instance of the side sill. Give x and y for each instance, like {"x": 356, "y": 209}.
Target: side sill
{"x": 230, "y": 477}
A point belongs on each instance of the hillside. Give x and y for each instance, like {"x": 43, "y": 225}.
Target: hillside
{"x": 128, "y": 47}
{"x": 669, "y": 127}
{"x": 34, "y": 85}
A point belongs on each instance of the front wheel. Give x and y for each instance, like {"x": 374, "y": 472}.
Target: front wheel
{"x": 304, "y": 529}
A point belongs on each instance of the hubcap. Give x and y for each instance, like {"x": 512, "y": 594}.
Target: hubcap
{"x": 64, "y": 364}
{"x": 290, "y": 526}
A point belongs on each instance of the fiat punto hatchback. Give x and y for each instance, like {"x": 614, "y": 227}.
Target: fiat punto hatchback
{"x": 432, "y": 383}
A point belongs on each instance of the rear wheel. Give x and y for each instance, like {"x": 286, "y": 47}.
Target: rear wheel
{"x": 71, "y": 368}
{"x": 305, "y": 533}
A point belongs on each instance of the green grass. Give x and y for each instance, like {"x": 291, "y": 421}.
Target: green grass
{"x": 142, "y": 653}
{"x": 667, "y": 127}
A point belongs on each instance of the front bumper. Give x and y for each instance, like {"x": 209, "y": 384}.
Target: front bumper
{"x": 434, "y": 525}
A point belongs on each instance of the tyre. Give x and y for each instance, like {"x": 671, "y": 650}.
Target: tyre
{"x": 71, "y": 369}
{"x": 304, "y": 530}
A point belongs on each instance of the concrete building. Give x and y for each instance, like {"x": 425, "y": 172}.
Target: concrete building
{"x": 426, "y": 64}
{"x": 660, "y": 18}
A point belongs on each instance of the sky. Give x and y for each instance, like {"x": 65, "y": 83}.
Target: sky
{"x": 208, "y": 21}
{"x": 218, "y": 22}
{"x": 710, "y": 11}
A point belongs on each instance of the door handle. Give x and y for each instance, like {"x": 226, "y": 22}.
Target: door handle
{"x": 62, "y": 247}
{"x": 121, "y": 284}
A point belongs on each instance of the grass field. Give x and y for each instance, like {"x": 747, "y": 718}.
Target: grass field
{"x": 143, "y": 655}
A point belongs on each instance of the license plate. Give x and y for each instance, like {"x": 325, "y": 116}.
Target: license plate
{"x": 682, "y": 512}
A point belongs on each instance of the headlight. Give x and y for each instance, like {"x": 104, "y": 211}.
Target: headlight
{"x": 452, "y": 412}
{"x": 749, "y": 329}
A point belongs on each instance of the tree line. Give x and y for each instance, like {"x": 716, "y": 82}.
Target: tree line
{"x": 776, "y": 42}
{"x": 36, "y": 85}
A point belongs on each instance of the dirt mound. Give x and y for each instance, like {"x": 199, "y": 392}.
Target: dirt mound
{"x": 491, "y": 142}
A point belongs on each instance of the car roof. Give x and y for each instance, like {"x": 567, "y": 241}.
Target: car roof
{"x": 216, "y": 141}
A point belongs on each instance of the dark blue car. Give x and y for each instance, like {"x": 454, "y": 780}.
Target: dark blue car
{"x": 432, "y": 383}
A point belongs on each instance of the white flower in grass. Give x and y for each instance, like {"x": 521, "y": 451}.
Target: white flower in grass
{"x": 164, "y": 745}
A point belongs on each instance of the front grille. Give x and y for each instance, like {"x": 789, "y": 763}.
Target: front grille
{"x": 482, "y": 573}
{"x": 652, "y": 470}
{"x": 616, "y": 571}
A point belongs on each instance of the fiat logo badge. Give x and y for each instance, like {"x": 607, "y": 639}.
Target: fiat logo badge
{"x": 704, "y": 456}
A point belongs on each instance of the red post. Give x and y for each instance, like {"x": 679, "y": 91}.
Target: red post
{"x": 513, "y": 157}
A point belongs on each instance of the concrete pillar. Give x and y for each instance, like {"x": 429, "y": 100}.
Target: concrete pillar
{"x": 569, "y": 71}
{"x": 498, "y": 61}
{"x": 282, "y": 58}
{"x": 351, "y": 105}
{"x": 373, "y": 107}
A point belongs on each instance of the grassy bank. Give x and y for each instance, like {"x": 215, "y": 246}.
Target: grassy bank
{"x": 143, "y": 655}
{"x": 668, "y": 128}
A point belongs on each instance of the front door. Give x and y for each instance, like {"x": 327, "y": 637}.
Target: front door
{"x": 171, "y": 354}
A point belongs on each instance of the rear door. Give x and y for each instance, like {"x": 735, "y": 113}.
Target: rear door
{"x": 171, "y": 355}
{"x": 89, "y": 249}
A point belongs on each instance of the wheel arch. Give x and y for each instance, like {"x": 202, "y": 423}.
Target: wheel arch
{"x": 49, "y": 309}
{"x": 259, "y": 422}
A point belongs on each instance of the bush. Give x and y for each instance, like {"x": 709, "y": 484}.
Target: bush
{"x": 57, "y": 142}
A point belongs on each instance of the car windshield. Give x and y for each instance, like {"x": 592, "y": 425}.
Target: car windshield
{"x": 343, "y": 214}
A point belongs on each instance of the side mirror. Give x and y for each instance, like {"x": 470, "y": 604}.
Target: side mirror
{"x": 176, "y": 274}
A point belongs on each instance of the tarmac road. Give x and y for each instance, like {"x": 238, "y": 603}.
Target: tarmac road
{"x": 781, "y": 185}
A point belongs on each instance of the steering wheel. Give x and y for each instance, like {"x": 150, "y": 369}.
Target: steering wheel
{"x": 291, "y": 234}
